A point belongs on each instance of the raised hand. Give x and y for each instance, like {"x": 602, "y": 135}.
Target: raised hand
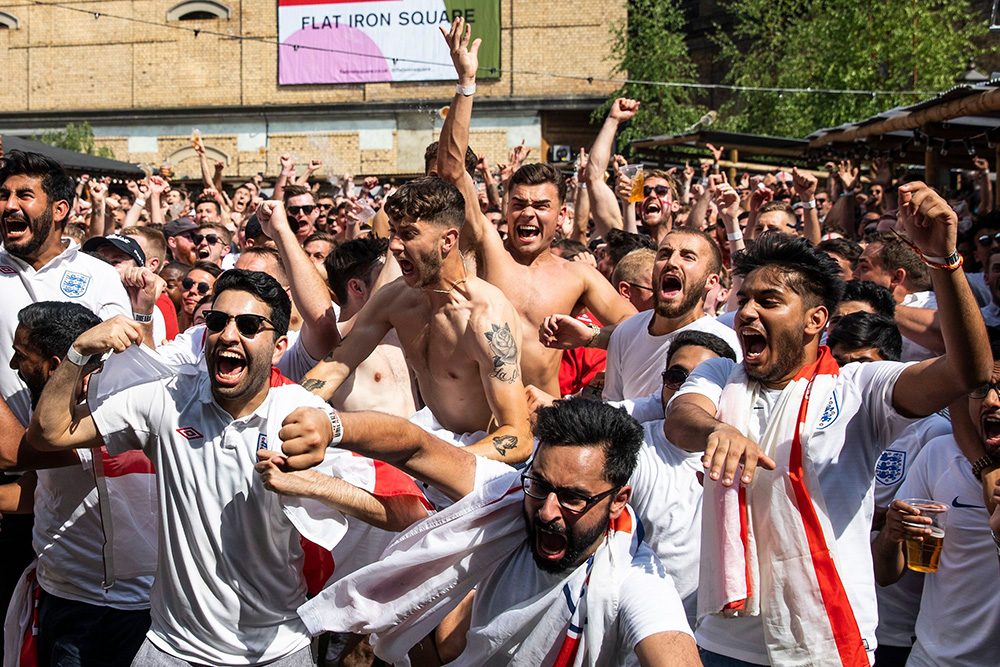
{"x": 519, "y": 155}
{"x": 143, "y": 287}
{"x": 314, "y": 165}
{"x": 305, "y": 434}
{"x": 716, "y": 152}
{"x": 623, "y": 109}
{"x": 581, "y": 169}
{"x": 929, "y": 221}
{"x": 464, "y": 56}
{"x": 981, "y": 164}
{"x": 157, "y": 185}
{"x": 287, "y": 163}
{"x": 98, "y": 191}
{"x": 883, "y": 173}
{"x": 804, "y": 184}
{"x": 688, "y": 172}
{"x": 272, "y": 217}
{"x": 848, "y": 176}
{"x": 118, "y": 334}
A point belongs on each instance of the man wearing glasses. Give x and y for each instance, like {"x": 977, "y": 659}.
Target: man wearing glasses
{"x": 229, "y": 574}
{"x": 302, "y": 211}
{"x": 555, "y": 556}
{"x": 212, "y": 243}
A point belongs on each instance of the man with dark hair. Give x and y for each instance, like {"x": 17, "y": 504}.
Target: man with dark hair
{"x": 229, "y": 576}
{"x": 212, "y": 243}
{"x": 551, "y": 553}
{"x": 537, "y": 282}
{"x": 82, "y": 621}
{"x": 805, "y": 539}
{"x": 383, "y": 381}
{"x": 318, "y": 246}
{"x": 207, "y": 210}
{"x": 460, "y": 335}
{"x": 776, "y": 216}
{"x": 845, "y": 252}
{"x": 301, "y": 207}
{"x": 888, "y": 261}
{"x": 863, "y": 337}
{"x": 619, "y": 244}
{"x": 431, "y": 157}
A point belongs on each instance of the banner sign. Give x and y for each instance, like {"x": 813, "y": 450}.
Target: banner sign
{"x": 343, "y": 41}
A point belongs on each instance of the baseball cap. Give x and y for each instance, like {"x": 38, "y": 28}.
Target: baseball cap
{"x": 179, "y": 226}
{"x": 126, "y": 244}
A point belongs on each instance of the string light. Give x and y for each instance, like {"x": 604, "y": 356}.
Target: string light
{"x": 494, "y": 70}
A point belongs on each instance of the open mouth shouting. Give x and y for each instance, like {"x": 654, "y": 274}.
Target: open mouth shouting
{"x": 405, "y": 266}
{"x": 15, "y": 228}
{"x": 527, "y": 232}
{"x": 652, "y": 208}
{"x": 991, "y": 429}
{"x": 230, "y": 367}
{"x": 754, "y": 344}
{"x": 551, "y": 542}
{"x": 671, "y": 287}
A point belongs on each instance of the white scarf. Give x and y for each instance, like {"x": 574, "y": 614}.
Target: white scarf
{"x": 430, "y": 569}
{"x": 774, "y": 540}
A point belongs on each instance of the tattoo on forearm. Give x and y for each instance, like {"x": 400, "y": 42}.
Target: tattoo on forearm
{"x": 502, "y": 443}
{"x": 313, "y": 384}
{"x": 504, "y": 349}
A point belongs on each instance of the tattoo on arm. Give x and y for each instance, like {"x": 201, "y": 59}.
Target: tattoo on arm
{"x": 502, "y": 443}
{"x": 312, "y": 384}
{"x": 504, "y": 350}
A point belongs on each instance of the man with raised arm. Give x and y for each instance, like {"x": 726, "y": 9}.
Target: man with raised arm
{"x": 560, "y": 573}
{"x": 794, "y": 542}
{"x": 537, "y": 282}
{"x": 460, "y": 335}
{"x": 229, "y": 571}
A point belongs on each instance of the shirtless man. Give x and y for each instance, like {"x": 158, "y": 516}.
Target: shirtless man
{"x": 460, "y": 335}
{"x": 537, "y": 282}
{"x": 383, "y": 381}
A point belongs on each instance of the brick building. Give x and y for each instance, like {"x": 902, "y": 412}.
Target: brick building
{"x": 144, "y": 86}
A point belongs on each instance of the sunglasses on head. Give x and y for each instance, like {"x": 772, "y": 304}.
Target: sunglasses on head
{"x": 988, "y": 239}
{"x": 674, "y": 377}
{"x": 307, "y": 209}
{"x": 203, "y": 287}
{"x": 211, "y": 238}
{"x": 248, "y": 324}
{"x": 660, "y": 190}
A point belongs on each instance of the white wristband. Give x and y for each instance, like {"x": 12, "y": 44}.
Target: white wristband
{"x": 75, "y": 358}
{"x": 335, "y": 424}
{"x": 734, "y": 236}
{"x": 140, "y": 202}
{"x": 809, "y": 204}
{"x": 465, "y": 90}
{"x": 142, "y": 318}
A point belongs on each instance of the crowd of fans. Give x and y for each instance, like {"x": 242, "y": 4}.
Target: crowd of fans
{"x": 602, "y": 416}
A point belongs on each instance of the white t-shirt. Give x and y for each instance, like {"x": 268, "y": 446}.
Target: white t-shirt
{"x": 647, "y": 601}
{"x": 666, "y": 496}
{"x": 858, "y": 424}
{"x": 912, "y": 351}
{"x": 898, "y": 604}
{"x": 71, "y": 276}
{"x": 959, "y": 621}
{"x": 68, "y": 537}
{"x": 229, "y": 575}
{"x": 188, "y": 347}
{"x": 636, "y": 359}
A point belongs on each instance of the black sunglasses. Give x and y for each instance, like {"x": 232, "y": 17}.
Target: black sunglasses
{"x": 307, "y": 209}
{"x": 675, "y": 376}
{"x": 984, "y": 391}
{"x": 988, "y": 239}
{"x": 539, "y": 489}
{"x": 660, "y": 190}
{"x": 248, "y": 324}
{"x": 211, "y": 238}
{"x": 203, "y": 287}
{"x": 325, "y": 207}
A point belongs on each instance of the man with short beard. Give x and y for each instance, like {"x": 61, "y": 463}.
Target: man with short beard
{"x": 36, "y": 196}
{"x": 560, "y": 574}
{"x": 686, "y": 267}
{"x": 229, "y": 572}
{"x": 799, "y": 536}
{"x": 459, "y": 334}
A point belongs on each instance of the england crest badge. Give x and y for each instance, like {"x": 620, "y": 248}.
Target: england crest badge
{"x": 890, "y": 466}
{"x": 830, "y": 412}
{"x": 74, "y": 285}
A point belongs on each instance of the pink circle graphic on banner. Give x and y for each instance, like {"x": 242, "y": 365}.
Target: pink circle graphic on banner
{"x": 354, "y": 57}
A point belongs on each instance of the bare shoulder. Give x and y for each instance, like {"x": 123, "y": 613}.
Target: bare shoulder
{"x": 488, "y": 301}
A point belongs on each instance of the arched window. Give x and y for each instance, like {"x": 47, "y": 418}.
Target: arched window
{"x": 213, "y": 155}
{"x": 194, "y": 10}
{"x": 9, "y": 21}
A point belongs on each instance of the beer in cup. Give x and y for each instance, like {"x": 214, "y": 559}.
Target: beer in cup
{"x": 925, "y": 556}
{"x": 634, "y": 173}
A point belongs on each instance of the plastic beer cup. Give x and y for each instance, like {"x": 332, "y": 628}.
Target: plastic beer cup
{"x": 925, "y": 556}
{"x": 634, "y": 174}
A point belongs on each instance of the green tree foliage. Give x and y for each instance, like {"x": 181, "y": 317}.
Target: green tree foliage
{"x": 649, "y": 46}
{"x": 840, "y": 44}
{"x": 79, "y": 138}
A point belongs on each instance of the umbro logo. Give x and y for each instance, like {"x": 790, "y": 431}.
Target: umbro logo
{"x": 190, "y": 433}
{"x": 8, "y": 270}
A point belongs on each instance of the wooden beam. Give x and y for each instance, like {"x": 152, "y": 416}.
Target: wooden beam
{"x": 970, "y": 105}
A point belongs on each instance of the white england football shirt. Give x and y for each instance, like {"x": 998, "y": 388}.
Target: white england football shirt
{"x": 858, "y": 423}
